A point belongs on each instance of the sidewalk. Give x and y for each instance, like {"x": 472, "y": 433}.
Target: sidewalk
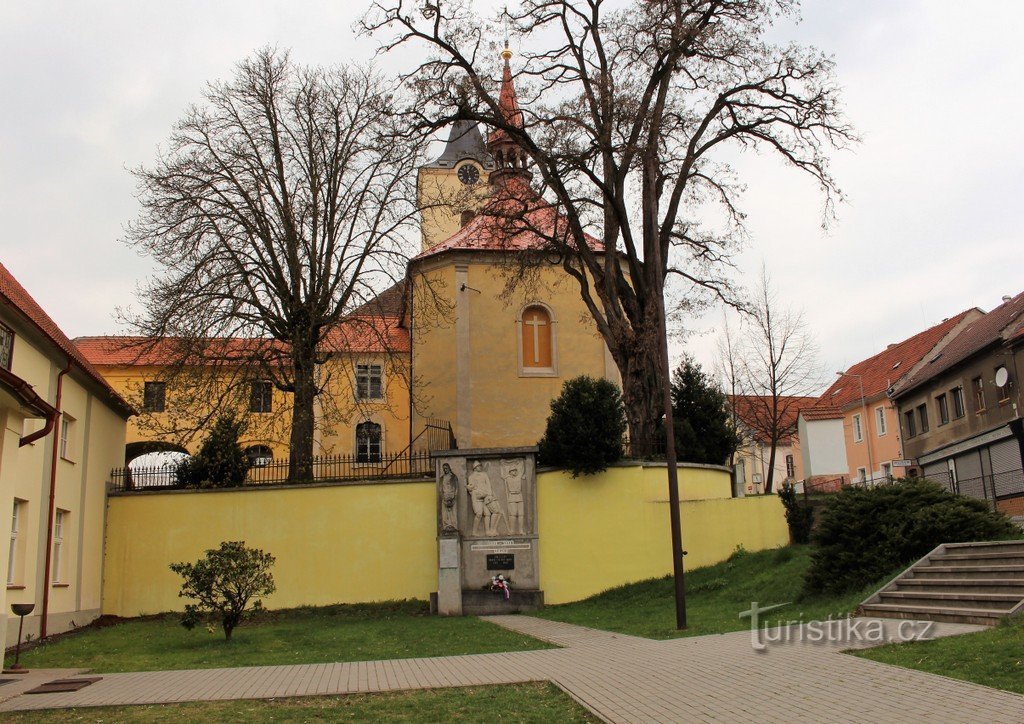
{"x": 620, "y": 678}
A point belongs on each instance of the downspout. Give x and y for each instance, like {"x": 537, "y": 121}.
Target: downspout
{"x": 52, "y": 506}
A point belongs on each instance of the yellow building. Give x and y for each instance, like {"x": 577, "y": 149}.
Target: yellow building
{"x": 63, "y": 430}
{"x": 457, "y": 341}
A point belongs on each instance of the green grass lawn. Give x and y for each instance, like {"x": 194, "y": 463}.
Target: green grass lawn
{"x": 297, "y": 636}
{"x": 536, "y": 703}
{"x": 994, "y": 657}
{"x": 714, "y": 598}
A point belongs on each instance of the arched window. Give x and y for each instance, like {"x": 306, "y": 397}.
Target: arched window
{"x": 536, "y": 333}
{"x": 259, "y": 456}
{"x": 368, "y": 442}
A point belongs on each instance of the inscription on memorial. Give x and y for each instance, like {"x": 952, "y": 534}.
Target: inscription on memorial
{"x": 501, "y": 561}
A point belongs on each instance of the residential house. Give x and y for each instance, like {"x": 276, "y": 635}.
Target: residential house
{"x": 870, "y": 426}
{"x": 753, "y": 459}
{"x": 63, "y": 430}
{"x": 960, "y": 412}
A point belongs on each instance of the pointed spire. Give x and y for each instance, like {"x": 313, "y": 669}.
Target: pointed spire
{"x": 506, "y": 152}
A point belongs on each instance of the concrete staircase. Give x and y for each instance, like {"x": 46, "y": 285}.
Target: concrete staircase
{"x": 960, "y": 582}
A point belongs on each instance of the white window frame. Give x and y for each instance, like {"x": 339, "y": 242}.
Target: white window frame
{"x": 366, "y": 370}
{"x": 858, "y": 428}
{"x": 862, "y": 474}
{"x": 880, "y": 423}
{"x": 66, "y": 423}
{"x": 12, "y": 552}
{"x": 525, "y": 371}
{"x": 59, "y": 523}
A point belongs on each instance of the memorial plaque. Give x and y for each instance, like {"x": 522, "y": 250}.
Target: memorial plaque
{"x": 501, "y": 561}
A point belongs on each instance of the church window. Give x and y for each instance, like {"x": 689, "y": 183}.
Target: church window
{"x": 261, "y": 396}
{"x": 368, "y": 442}
{"x": 537, "y": 341}
{"x": 369, "y": 384}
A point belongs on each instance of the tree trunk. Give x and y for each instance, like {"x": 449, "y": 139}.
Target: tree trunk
{"x": 641, "y": 393}
{"x": 771, "y": 467}
{"x": 300, "y": 464}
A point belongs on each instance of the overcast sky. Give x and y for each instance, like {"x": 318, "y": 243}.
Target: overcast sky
{"x": 931, "y": 227}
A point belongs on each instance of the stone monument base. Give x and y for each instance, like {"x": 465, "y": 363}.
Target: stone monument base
{"x": 488, "y": 603}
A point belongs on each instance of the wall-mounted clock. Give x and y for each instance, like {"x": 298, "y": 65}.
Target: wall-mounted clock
{"x": 468, "y": 174}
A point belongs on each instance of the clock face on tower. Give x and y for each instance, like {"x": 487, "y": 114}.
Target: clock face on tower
{"x": 468, "y": 174}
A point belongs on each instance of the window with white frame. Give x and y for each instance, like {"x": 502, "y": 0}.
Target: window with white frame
{"x": 862, "y": 474}
{"x": 369, "y": 382}
{"x": 12, "y": 553}
{"x": 880, "y": 420}
{"x": 60, "y": 519}
{"x": 858, "y": 430}
{"x": 67, "y": 424}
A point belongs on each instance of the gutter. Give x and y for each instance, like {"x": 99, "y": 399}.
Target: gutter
{"x": 52, "y": 505}
{"x": 28, "y": 396}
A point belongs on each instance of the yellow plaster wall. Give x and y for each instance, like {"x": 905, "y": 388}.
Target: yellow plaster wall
{"x": 376, "y": 542}
{"x": 504, "y": 407}
{"x": 604, "y": 531}
{"x": 333, "y": 544}
{"x": 443, "y": 198}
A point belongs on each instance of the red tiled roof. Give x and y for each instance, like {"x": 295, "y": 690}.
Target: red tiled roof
{"x": 516, "y": 219}
{"x": 389, "y": 303}
{"x": 19, "y": 298}
{"x": 751, "y": 411}
{"x": 880, "y": 372}
{"x": 369, "y": 334}
{"x": 999, "y": 325}
{"x": 824, "y": 412}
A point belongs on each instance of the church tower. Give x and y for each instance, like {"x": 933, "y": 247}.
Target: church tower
{"x": 511, "y": 160}
{"x": 454, "y": 186}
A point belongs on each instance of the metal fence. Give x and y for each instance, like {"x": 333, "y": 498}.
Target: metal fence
{"x": 322, "y": 469}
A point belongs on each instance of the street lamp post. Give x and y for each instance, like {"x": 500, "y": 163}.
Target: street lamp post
{"x": 866, "y": 431}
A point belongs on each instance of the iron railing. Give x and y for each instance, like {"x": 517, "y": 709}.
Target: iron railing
{"x": 414, "y": 461}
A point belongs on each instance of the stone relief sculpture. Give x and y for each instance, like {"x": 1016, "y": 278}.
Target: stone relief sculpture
{"x": 487, "y": 511}
{"x": 449, "y": 493}
{"x": 513, "y": 472}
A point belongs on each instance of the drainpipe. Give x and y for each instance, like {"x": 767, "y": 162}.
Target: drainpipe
{"x": 52, "y": 506}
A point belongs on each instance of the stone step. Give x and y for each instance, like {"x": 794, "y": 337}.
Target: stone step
{"x": 1004, "y": 602}
{"x": 967, "y": 559}
{"x": 969, "y": 572}
{"x": 961, "y": 585}
{"x": 988, "y": 547}
{"x": 982, "y": 616}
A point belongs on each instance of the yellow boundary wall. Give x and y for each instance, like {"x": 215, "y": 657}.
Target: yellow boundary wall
{"x": 376, "y": 541}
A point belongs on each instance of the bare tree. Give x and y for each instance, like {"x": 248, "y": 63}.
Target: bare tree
{"x": 624, "y": 117}
{"x": 283, "y": 202}
{"x": 778, "y": 368}
{"x": 727, "y": 370}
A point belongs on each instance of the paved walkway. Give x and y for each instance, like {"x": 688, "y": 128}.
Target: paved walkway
{"x": 620, "y": 678}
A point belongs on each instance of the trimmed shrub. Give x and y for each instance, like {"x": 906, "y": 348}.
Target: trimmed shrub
{"x": 585, "y": 429}
{"x": 799, "y": 517}
{"x": 865, "y": 534}
{"x": 223, "y": 582}
{"x": 221, "y": 462}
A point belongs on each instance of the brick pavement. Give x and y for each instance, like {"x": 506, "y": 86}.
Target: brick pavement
{"x": 620, "y": 678}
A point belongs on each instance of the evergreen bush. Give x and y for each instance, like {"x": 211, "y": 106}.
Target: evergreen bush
{"x": 585, "y": 429}
{"x": 799, "y": 517}
{"x": 865, "y": 534}
{"x": 221, "y": 462}
{"x": 700, "y": 415}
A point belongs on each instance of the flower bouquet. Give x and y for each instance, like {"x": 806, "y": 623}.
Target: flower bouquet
{"x": 502, "y": 585}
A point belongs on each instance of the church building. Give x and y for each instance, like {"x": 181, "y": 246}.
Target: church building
{"x": 475, "y": 336}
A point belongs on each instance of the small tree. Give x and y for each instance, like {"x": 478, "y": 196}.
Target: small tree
{"x": 221, "y": 462}
{"x": 585, "y": 428}
{"x": 704, "y": 432}
{"x": 224, "y": 582}
{"x": 799, "y": 516}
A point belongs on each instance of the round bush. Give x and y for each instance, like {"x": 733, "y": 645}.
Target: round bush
{"x": 585, "y": 428}
{"x": 865, "y": 534}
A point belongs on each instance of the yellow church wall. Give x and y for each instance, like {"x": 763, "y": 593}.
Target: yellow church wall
{"x": 467, "y": 365}
{"x": 443, "y": 198}
{"x": 374, "y": 542}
